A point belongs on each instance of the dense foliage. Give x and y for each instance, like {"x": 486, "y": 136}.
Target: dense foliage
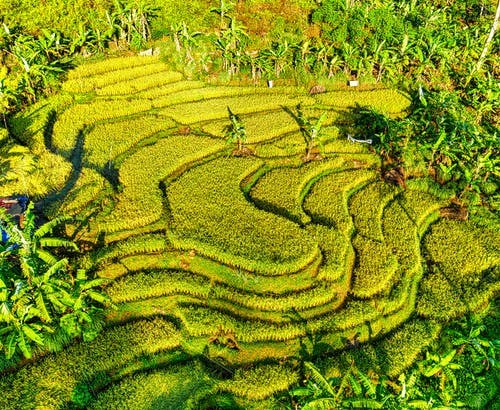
{"x": 42, "y": 303}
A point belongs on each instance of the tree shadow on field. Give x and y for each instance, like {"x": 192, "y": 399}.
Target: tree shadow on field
{"x": 311, "y": 346}
{"x": 76, "y": 160}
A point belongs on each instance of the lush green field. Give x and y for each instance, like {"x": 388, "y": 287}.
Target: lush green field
{"x": 228, "y": 270}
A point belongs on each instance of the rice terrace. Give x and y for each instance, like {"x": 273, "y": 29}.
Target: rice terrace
{"x": 226, "y": 268}
{"x": 293, "y": 208}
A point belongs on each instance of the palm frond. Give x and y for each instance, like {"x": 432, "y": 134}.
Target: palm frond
{"x": 363, "y": 403}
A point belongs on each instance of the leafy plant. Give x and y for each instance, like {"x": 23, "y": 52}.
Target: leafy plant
{"x": 235, "y": 132}
{"x": 38, "y": 294}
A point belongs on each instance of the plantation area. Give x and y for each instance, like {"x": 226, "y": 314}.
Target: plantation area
{"x": 228, "y": 267}
{"x": 258, "y": 204}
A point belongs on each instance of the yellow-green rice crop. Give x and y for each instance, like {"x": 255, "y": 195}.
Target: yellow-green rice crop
{"x": 110, "y": 352}
{"x": 175, "y": 387}
{"x": 106, "y": 141}
{"x": 141, "y": 202}
{"x": 91, "y": 83}
{"x": 366, "y": 207}
{"x": 209, "y": 213}
{"x": 132, "y": 85}
{"x": 216, "y": 108}
{"x": 281, "y": 190}
{"x": 336, "y": 187}
{"x": 110, "y": 64}
{"x": 384, "y": 100}
{"x": 78, "y": 117}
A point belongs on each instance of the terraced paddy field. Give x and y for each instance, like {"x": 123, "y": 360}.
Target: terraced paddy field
{"x": 230, "y": 270}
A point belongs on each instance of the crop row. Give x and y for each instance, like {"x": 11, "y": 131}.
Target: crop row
{"x": 280, "y": 190}
{"x": 385, "y": 100}
{"x": 151, "y": 243}
{"x": 146, "y": 82}
{"x": 92, "y": 362}
{"x": 366, "y": 207}
{"x": 146, "y": 308}
{"x": 379, "y": 260}
{"x": 392, "y": 355}
{"x": 110, "y": 64}
{"x": 92, "y": 83}
{"x": 89, "y": 186}
{"x": 209, "y": 213}
{"x": 216, "y": 108}
{"x": 31, "y": 125}
{"x": 401, "y": 235}
{"x": 106, "y": 141}
{"x": 197, "y": 265}
{"x": 179, "y": 386}
{"x": 464, "y": 269}
{"x": 443, "y": 298}
{"x": 141, "y": 202}
{"x": 337, "y": 188}
{"x": 202, "y": 321}
{"x": 374, "y": 269}
{"x": 171, "y": 90}
{"x": 260, "y": 126}
{"x": 205, "y": 94}
{"x": 153, "y": 284}
{"x": 79, "y": 116}
{"x": 338, "y": 257}
{"x": 261, "y": 381}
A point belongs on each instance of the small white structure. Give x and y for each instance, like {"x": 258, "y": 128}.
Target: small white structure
{"x": 369, "y": 141}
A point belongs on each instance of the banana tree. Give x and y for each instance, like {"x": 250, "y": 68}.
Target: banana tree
{"x": 39, "y": 297}
{"x": 353, "y": 390}
{"x": 235, "y": 132}
{"x": 224, "y": 8}
{"x": 311, "y": 129}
